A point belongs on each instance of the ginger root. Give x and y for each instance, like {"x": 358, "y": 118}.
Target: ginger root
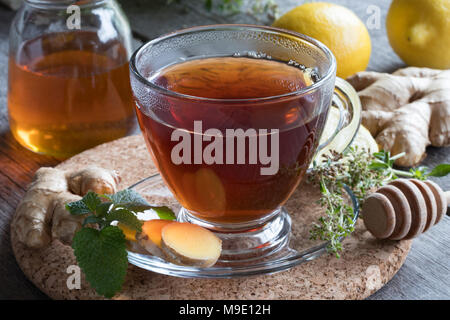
{"x": 41, "y": 215}
{"x": 92, "y": 179}
{"x": 64, "y": 225}
{"x": 406, "y": 111}
{"x": 33, "y": 214}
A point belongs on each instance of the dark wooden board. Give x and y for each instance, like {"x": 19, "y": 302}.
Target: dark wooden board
{"x": 425, "y": 274}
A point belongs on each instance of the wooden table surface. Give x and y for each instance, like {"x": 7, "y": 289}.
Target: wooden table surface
{"x": 426, "y": 272}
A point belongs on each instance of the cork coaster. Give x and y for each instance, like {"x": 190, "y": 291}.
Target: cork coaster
{"x": 364, "y": 267}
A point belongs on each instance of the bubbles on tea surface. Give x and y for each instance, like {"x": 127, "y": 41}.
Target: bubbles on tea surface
{"x": 296, "y": 64}
{"x": 252, "y": 54}
{"x": 312, "y": 72}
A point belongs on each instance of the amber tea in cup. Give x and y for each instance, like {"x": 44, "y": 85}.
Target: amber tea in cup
{"x": 228, "y": 191}
{"x": 232, "y": 116}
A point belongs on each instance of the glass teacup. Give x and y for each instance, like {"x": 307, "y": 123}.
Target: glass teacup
{"x": 232, "y": 116}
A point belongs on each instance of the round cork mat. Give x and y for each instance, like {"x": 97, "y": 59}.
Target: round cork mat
{"x": 364, "y": 267}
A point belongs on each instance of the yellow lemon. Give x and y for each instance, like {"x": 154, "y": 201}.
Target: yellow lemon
{"x": 335, "y": 26}
{"x": 364, "y": 140}
{"x": 419, "y": 32}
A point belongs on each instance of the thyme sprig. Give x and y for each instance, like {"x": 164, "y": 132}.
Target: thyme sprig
{"x": 362, "y": 172}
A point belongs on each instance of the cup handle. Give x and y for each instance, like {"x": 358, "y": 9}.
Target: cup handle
{"x": 347, "y": 101}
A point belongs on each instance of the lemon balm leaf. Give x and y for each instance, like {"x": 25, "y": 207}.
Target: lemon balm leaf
{"x": 91, "y": 200}
{"x": 88, "y": 204}
{"x": 125, "y": 217}
{"x": 102, "y": 256}
{"x": 131, "y": 200}
{"x": 101, "y": 251}
{"x": 77, "y": 208}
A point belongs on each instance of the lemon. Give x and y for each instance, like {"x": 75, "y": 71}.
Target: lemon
{"x": 362, "y": 140}
{"x": 419, "y": 32}
{"x": 335, "y": 26}
{"x": 365, "y": 140}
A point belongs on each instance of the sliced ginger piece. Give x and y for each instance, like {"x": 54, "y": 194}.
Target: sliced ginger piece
{"x": 188, "y": 244}
{"x": 153, "y": 229}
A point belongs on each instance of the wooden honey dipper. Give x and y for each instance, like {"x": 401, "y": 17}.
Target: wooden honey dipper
{"x": 404, "y": 208}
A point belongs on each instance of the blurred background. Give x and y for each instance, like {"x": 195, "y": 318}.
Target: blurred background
{"x": 149, "y": 19}
{"x": 71, "y": 119}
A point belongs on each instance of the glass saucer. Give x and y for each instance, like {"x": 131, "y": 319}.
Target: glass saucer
{"x": 292, "y": 249}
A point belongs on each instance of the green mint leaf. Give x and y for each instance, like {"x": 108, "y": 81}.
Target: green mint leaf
{"x": 102, "y": 256}
{"x": 103, "y": 209}
{"x": 77, "y": 208}
{"x": 131, "y": 200}
{"x": 164, "y": 213}
{"x": 105, "y": 197}
{"x": 440, "y": 170}
{"x": 126, "y": 196}
{"x": 126, "y": 217}
{"x": 92, "y": 220}
{"x": 91, "y": 200}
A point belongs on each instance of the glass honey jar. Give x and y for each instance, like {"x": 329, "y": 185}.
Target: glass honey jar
{"x": 68, "y": 80}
